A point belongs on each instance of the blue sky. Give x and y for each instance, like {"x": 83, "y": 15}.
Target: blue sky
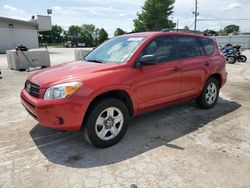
{"x": 111, "y": 14}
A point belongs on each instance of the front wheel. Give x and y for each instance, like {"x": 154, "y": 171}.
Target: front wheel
{"x": 107, "y": 123}
{"x": 242, "y": 58}
{"x": 210, "y": 94}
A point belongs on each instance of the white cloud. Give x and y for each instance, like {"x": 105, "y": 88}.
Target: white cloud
{"x": 57, "y": 8}
{"x": 12, "y": 9}
{"x": 13, "y": 12}
{"x": 111, "y": 2}
{"x": 111, "y": 14}
{"x": 233, "y": 6}
{"x": 108, "y": 17}
{"x": 122, "y": 14}
{"x": 213, "y": 10}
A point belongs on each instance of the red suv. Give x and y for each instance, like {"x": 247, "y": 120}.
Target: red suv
{"x": 125, "y": 76}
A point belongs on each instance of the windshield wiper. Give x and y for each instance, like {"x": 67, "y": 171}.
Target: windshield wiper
{"x": 96, "y": 61}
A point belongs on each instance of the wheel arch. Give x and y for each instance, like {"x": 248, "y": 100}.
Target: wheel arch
{"x": 218, "y": 77}
{"x": 119, "y": 94}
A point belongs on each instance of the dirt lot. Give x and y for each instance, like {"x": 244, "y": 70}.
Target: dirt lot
{"x": 181, "y": 146}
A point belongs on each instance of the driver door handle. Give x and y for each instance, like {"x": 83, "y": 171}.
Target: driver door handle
{"x": 176, "y": 69}
{"x": 207, "y": 64}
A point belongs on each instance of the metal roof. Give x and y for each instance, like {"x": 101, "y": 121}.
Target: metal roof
{"x": 11, "y": 20}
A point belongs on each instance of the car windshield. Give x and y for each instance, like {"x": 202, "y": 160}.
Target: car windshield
{"x": 116, "y": 50}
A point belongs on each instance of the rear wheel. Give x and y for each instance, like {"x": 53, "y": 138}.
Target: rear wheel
{"x": 209, "y": 96}
{"x": 106, "y": 123}
{"x": 231, "y": 59}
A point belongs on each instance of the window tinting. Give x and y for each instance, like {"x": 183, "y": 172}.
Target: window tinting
{"x": 189, "y": 47}
{"x": 208, "y": 45}
{"x": 162, "y": 47}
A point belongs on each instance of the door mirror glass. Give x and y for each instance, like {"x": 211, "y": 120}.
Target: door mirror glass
{"x": 148, "y": 60}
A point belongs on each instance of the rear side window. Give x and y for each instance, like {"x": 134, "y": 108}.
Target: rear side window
{"x": 162, "y": 47}
{"x": 208, "y": 45}
{"x": 189, "y": 47}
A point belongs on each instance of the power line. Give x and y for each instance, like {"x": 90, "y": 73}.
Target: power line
{"x": 222, "y": 20}
{"x": 191, "y": 24}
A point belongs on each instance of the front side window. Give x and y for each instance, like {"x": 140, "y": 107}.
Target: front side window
{"x": 162, "y": 47}
{"x": 189, "y": 47}
{"x": 116, "y": 50}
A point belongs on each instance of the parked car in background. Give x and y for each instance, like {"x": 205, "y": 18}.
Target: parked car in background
{"x": 70, "y": 44}
{"x": 124, "y": 77}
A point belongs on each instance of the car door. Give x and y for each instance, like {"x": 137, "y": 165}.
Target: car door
{"x": 159, "y": 83}
{"x": 194, "y": 64}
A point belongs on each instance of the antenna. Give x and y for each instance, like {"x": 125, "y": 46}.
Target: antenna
{"x": 196, "y": 14}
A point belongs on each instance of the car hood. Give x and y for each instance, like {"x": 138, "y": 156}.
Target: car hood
{"x": 69, "y": 72}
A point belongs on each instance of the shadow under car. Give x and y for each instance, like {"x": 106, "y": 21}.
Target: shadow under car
{"x": 145, "y": 133}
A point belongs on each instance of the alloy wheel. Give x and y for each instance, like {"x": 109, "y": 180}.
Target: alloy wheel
{"x": 109, "y": 123}
{"x": 211, "y": 93}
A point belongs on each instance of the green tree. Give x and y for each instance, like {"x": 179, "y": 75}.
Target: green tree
{"x": 96, "y": 36}
{"x": 103, "y": 35}
{"x": 155, "y": 16}
{"x": 186, "y": 28}
{"x": 73, "y": 34}
{"x": 119, "y": 32}
{"x": 211, "y": 32}
{"x": 52, "y": 36}
{"x": 88, "y": 34}
{"x": 56, "y": 33}
{"x": 44, "y": 37}
{"x": 222, "y": 32}
{"x": 231, "y": 29}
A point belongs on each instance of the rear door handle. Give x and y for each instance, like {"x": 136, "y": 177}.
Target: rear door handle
{"x": 176, "y": 69}
{"x": 207, "y": 64}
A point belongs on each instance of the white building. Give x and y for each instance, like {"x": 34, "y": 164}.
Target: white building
{"x": 17, "y": 32}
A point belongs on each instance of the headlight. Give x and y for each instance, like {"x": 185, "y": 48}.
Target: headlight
{"x": 62, "y": 91}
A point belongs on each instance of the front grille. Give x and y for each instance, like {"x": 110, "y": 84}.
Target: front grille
{"x": 32, "y": 89}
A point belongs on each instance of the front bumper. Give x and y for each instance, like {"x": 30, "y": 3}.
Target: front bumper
{"x": 62, "y": 114}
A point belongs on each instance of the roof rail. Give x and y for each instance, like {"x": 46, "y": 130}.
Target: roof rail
{"x": 181, "y": 30}
{"x": 167, "y": 30}
{"x": 133, "y": 32}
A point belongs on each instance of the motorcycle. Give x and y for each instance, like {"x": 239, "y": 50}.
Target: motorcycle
{"x": 233, "y": 53}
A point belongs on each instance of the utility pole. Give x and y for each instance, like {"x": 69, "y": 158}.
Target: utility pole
{"x": 196, "y": 14}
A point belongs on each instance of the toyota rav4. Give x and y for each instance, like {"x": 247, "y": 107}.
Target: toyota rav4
{"x": 125, "y": 76}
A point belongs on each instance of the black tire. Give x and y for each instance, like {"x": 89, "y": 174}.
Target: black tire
{"x": 231, "y": 59}
{"x": 89, "y": 128}
{"x": 202, "y": 99}
{"x": 242, "y": 58}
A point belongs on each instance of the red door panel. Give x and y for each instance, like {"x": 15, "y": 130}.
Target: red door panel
{"x": 194, "y": 65}
{"x": 157, "y": 84}
{"x": 194, "y": 73}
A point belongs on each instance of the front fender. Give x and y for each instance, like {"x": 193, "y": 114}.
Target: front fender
{"x": 124, "y": 88}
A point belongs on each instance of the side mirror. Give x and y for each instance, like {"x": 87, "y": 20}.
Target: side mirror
{"x": 148, "y": 60}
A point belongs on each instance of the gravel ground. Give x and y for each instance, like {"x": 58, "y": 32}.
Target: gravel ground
{"x": 181, "y": 146}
